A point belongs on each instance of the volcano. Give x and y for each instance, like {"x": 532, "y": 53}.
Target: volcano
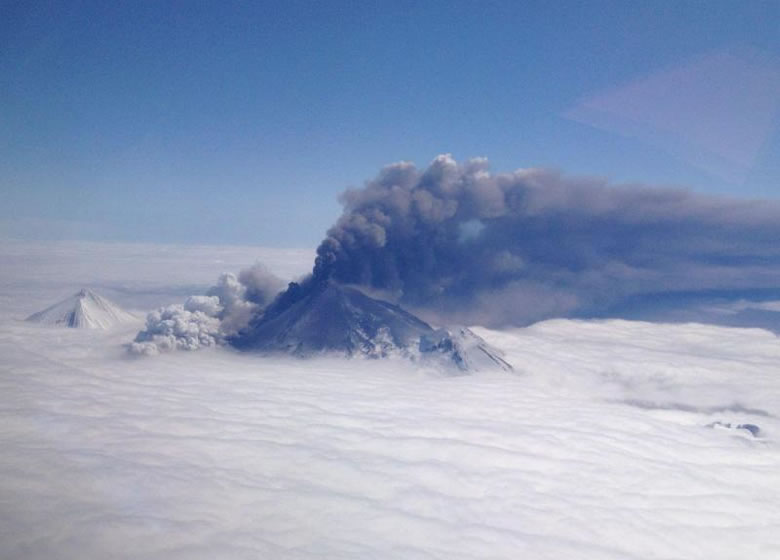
{"x": 83, "y": 310}
{"x": 325, "y": 317}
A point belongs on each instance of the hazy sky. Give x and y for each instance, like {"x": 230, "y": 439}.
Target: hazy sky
{"x": 228, "y": 122}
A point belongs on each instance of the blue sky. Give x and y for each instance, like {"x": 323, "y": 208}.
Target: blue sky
{"x": 223, "y": 122}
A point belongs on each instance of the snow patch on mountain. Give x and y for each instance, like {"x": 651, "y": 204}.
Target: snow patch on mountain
{"x": 462, "y": 347}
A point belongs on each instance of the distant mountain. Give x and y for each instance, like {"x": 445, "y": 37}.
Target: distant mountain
{"x": 319, "y": 317}
{"x": 83, "y": 310}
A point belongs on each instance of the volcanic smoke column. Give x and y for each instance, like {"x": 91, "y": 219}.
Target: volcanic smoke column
{"x": 458, "y": 243}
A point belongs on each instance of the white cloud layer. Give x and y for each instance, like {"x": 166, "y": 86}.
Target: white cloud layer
{"x": 614, "y": 440}
{"x": 602, "y": 443}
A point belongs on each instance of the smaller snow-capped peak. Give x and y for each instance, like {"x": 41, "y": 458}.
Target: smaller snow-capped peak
{"x": 83, "y": 310}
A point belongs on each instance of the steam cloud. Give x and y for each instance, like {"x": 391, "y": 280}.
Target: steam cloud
{"x": 457, "y": 242}
{"x": 208, "y": 320}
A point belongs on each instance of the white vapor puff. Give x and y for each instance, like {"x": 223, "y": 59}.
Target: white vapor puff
{"x": 205, "y": 321}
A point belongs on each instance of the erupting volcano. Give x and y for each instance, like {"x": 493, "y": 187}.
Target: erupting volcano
{"x": 319, "y": 315}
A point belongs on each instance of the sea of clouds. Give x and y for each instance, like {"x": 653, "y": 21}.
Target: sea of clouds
{"x": 612, "y": 439}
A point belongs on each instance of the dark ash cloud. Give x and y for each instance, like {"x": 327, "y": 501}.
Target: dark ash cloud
{"x": 456, "y": 242}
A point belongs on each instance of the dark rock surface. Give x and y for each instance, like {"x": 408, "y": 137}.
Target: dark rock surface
{"x": 317, "y": 317}
{"x": 306, "y": 320}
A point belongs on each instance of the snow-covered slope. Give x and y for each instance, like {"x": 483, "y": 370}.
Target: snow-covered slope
{"x": 83, "y": 310}
{"x": 464, "y": 348}
{"x": 327, "y": 317}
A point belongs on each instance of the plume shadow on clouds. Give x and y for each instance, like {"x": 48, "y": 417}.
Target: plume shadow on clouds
{"x": 457, "y": 242}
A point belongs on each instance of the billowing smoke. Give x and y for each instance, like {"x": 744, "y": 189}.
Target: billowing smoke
{"x": 243, "y": 296}
{"x": 208, "y": 320}
{"x": 190, "y": 326}
{"x": 456, "y": 242}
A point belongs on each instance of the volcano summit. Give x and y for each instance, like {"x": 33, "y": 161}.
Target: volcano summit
{"x": 319, "y": 316}
{"x": 323, "y": 316}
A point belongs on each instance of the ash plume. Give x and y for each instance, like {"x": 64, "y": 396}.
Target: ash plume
{"x": 455, "y": 242}
{"x": 208, "y": 320}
